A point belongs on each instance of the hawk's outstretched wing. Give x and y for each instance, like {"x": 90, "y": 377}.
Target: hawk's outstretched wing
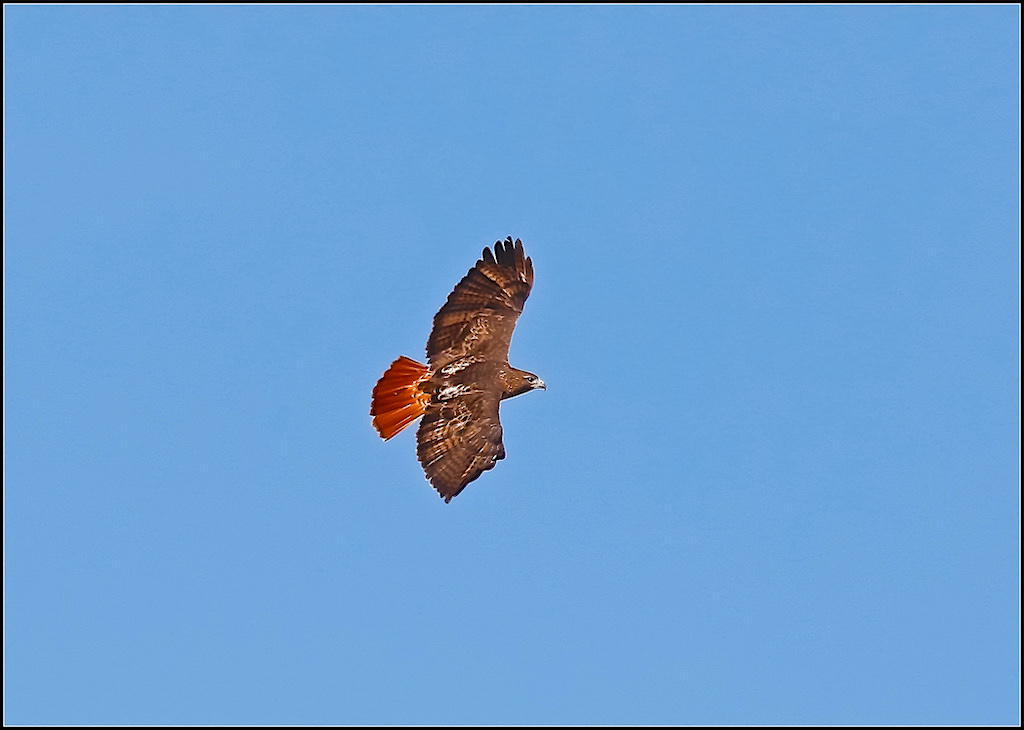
{"x": 459, "y": 438}
{"x": 481, "y": 312}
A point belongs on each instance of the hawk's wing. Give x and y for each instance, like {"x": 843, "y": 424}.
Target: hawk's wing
{"x": 459, "y": 437}
{"x": 481, "y": 312}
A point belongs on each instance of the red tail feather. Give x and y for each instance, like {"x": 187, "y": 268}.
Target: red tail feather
{"x": 397, "y": 398}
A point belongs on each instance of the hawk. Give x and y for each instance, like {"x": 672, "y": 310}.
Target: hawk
{"x": 467, "y": 374}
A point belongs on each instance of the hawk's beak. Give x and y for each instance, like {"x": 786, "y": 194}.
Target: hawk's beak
{"x": 540, "y": 384}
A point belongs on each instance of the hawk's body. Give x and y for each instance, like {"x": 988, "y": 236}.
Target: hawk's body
{"x": 467, "y": 373}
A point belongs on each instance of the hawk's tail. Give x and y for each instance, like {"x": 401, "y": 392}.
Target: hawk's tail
{"x": 397, "y": 397}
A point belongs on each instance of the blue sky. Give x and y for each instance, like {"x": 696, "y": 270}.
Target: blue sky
{"x": 774, "y": 478}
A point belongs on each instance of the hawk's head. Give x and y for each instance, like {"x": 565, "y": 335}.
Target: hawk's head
{"x": 518, "y": 382}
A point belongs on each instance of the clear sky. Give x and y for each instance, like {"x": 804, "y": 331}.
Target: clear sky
{"x": 774, "y": 477}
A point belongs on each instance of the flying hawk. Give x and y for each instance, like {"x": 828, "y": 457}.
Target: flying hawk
{"x": 466, "y": 376}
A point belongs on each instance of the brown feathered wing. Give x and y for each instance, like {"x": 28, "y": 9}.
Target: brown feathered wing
{"x": 459, "y": 437}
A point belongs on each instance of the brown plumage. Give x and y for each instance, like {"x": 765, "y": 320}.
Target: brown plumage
{"x": 466, "y": 376}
